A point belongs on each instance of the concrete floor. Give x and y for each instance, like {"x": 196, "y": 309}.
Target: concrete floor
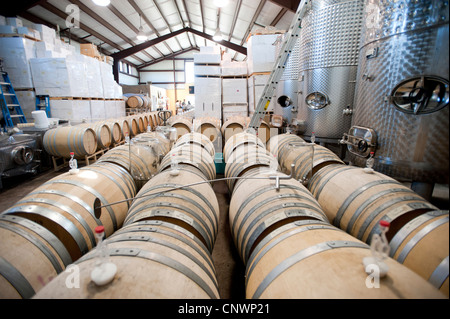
{"x": 229, "y": 267}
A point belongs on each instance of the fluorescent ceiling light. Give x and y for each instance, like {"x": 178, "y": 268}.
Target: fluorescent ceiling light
{"x": 102, "y": 3}
{"x": 217, "y": 35}
{"x": 221, "y": 3}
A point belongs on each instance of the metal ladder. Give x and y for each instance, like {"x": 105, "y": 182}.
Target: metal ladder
{"x": 279, "y": 66}
{"x": 10, "y": 109}
{"x": 46, "y": 100}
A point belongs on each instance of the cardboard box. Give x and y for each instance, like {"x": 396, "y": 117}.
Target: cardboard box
{"x": 234, "y": 91}
{"x": 47, "y": 34}
{"x": 75, "y": 111}
{"x": 59, "y": 77}
{"x": 98, "y": 111}
{"x": 208, "y": 97}
{"x": 16, "y": 22}
{"x": 16, "y": 53}
{"x": 207, "y": 58}
{"x": 262, "y": 52}
{"x": 207, "y": 70}
{"x": 27, "y": 101}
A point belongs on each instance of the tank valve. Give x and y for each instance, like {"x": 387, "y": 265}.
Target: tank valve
{"x": 73, "y": 164}
{"x": 380, "y": 251}
{"x": 369, "y": 164}
{"x": 347, "y": 111}
{"x": 104, "y": 270}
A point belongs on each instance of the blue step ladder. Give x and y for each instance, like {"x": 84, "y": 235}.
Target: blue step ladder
{"x": 43, "y": 102}
{"x": 10, "y": 104}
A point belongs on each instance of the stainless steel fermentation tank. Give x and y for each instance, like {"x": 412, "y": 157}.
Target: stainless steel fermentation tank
{"x": 401, "y": 101}
{"x": 329, "y": 43}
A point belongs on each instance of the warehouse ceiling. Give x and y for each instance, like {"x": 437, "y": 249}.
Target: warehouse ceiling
{"x": 173, "y": 27}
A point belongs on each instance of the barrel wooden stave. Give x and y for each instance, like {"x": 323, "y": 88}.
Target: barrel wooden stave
{"x": 63, "y": 140}
{"x": 257, "y": 207}
{"x": 277, "y": 144}
{"x": 312, "y": 260}
{"x": 30, "y": 256}
{"x": 365, "y": 200}
{"x": 422, "y": 245}
{"x": 197, "y": 138}
{"x": 65, "y": 205}
{"x": 179, "y": 268}
{"x": 239, "y": 139}
{"x": 193, "y": 207}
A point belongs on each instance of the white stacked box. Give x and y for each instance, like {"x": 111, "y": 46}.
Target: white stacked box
{"x": 59, "y": 77}
{"x": 71, "y": 110}
{"x": 27, "y": 101}
{"x": 16, "y": 22}
{"x": 234, "y": 98}
{"x": 262, "y": 52}
{"x": 93, "y": 76}
{"x": 212, "y": 70}
{"x": 120, "y": 108}
{"x": 208, "y": 55}
{"x": 111, "y": 109}
{"x": 256, "y": 84}
{"x": 208, "y": 97}
{"x": 8, "y": 29}
{"x": 98, "y": 111}
{"x": 47, "y": 34}
{"x": 2, "y": 20}
{"x": 232, "y": 68}
{"x": 16, "y": 52}
{"x": 107, "y": 80}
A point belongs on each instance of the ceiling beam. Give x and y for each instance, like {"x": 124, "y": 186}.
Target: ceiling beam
{"x": 291, "y": 5}
{"x": 166, "y": 57}
{"x": 105, "y": 23}
{"x": 19, "y": 6}
{"x": 278, "y": 17}
{"x": 127, "y": 52}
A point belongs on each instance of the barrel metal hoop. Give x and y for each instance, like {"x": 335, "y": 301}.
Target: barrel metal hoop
{"x": 420, "y": 203}
{"x": 116, "y": 183}
{"x": 138, "y": 227}
{"x": 190, "y": 190}
{"x": 186, "y": 199}
{"x": 16, "y": 279}
{"x": 39, "y": 245}
{"x": 440, "y": 274}
{"x": 355, "y": 194}
{"x": 258, "y": 193}
{"x": 124, "y": 237}
{"x": 161, "y": 259}
{"x": 252, "y": 261}
{"x": 325, "y": 181}
{"x": 93, "y": 192}
{"x": 299, "y": 256}
{"x": 282, "y": 215}
{"x": 67, "y": 209}
{"x": 406, "y": 230}
{"x": 50, "y": 238}
{"x": 418, "y": 237}
{"x": 157, "y": 210}
{"x": 122, "y": 174}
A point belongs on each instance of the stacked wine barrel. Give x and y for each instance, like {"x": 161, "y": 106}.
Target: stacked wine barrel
{"x": 170, "y": 228}
{"x": 290, "y": 247}
{"x": 356, "y": 200}
{"x": 87, "y": 138}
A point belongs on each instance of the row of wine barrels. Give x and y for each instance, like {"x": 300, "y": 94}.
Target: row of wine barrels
{"x": 183, "y": 197}
{"x": 65, "y": 205}
{"x": 356, "y": 201}
{"x": 311, "y": 259}
{"x": 30, "y": 256}
{"x": 180, "y": 267}
{"x": 238, "y": 124}
{"x": 193, "y": 155}
{"x": 197, "y": 138}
